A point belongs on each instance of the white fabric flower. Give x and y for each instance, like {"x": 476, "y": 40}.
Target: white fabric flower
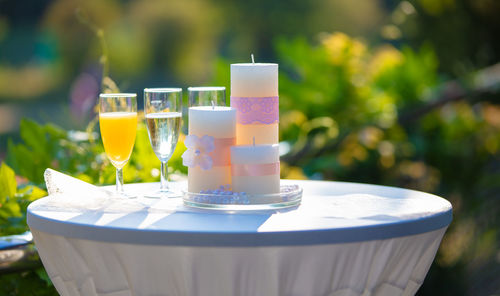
{"x": 197, "y": 152}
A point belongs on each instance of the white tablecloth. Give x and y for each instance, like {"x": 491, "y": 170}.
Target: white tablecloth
{"x": 344, "y": 239}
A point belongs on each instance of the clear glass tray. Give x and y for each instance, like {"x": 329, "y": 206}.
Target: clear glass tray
{"x": 289, "y": 196}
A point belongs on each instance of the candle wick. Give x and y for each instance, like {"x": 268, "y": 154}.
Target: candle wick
{"x": 254, "y": 140}
{"x": 213, "y": 105}
{"x": 253, "y": 61}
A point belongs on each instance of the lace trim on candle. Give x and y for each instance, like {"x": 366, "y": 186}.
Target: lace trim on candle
{"x": 207, "y": 151}
{"x": 256, "y": 110}
{"x": 264, "y": 169}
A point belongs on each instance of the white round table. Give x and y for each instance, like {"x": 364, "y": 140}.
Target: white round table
{"x": 344, "y": 239}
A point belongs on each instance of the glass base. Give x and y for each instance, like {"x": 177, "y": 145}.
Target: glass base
{"x": 289, "y": 196}
{"x": 163, "y": 194}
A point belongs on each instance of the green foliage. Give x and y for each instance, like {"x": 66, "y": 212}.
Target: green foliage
{"x": 40, "y": 149}
{"x": 354, "y": 113}
{"x": 28, "y": 283}
{"x": 8, "y": 187}
{"x": 13, "y": 201}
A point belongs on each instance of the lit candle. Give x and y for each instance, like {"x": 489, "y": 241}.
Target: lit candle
{"x": 212, "y": 131}
{"x": 254, "y": 94}
{"x": 255, "y": 169}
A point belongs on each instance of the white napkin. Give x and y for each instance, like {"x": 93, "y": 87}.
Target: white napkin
{"x": 59, "y": 183}
{"x": 71, "y": 193}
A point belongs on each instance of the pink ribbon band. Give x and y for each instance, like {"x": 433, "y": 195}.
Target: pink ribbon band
{"x": 221, "y": 155}
{"x": 264, "y": 169}
{"x": 256, "y": 110}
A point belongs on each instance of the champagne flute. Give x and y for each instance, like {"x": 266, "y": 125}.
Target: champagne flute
{"x": 118, "y": 124}
{"x": 163, "y": 111}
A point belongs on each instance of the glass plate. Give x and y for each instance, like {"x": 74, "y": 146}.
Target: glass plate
{"x": 289, "y": 196}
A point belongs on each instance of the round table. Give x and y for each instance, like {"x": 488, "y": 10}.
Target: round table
{"x": 344, "y": 239}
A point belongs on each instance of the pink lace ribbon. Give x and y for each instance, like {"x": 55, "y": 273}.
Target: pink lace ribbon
{"x": 256, "y": 110}
{"x": 264, "y": 169}
{"x": 221, "y": 155}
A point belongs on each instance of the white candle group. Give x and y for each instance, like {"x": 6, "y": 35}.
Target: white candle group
{"x": 237, "y": 145}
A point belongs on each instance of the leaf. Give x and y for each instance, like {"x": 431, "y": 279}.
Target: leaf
{"x": 33, "y": 135}
{"x": 8, "y": 184}
{"x": 10, "y": 209}
{"x": 55, "y": 131}
{"x": 37, "y": 193}
{"x": 22, "y": 160}
{"x": 42, "y": 274}
{"x": 31, "y": 193}
{"x": 41, "y": 148}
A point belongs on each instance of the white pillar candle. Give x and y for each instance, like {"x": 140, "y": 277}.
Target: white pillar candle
{"x": 254, "y": 93}
{"x": 255, "y": 169}
{"x": 214, "y": 129}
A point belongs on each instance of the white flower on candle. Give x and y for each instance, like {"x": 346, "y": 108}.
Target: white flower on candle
{"x": 197, "y": 151}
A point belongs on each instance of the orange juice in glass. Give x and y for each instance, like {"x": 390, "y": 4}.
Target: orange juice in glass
{"x": 118, "y": 131}
{"x": 118, "y": 124}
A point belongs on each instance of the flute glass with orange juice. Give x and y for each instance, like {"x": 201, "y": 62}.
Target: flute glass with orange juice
{"x": 118, "y": 124}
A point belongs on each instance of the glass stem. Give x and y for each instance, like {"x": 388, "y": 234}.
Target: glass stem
{"x": 119, "y": 180}
{"x": 164, "y": 177}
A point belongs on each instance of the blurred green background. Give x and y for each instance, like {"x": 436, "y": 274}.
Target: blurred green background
{"x": 400, "y": 93}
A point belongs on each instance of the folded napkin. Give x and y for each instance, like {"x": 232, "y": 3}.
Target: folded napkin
{"x": 59, "y": 183}
{"x": 71, "y": 193}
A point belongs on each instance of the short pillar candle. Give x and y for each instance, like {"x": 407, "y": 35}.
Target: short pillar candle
{"x": 212, "y": 131}
{"x": 255, "y": 169}
{"x": 254, "y": 94}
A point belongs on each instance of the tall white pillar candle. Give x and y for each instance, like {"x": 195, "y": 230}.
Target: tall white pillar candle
{"x": 255, "y": 169}
{"x": 212, "y": 131}
{"x": 254, "y": 93}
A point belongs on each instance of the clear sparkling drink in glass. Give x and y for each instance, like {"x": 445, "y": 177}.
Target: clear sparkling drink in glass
{"x": 163, "y": 112}
{"x": 163, "y": 129}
